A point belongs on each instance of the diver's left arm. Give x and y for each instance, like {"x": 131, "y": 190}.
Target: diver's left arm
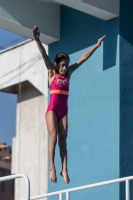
{"x": 85, "y": 56}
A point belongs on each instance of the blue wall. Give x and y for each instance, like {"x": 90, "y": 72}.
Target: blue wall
{"x": 126, "y": 92}
{"x": 93, "y": 134}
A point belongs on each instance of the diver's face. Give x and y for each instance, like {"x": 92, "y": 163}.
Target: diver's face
{"x": 62, "y": 66}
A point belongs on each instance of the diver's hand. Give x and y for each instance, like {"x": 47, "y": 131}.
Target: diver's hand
{"x": 100, "y": 40}
{"x": 35, "y": 32}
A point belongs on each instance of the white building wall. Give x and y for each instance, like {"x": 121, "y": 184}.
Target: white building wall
{"x": 30, "y": 146}
{"x": 23, "y": 64}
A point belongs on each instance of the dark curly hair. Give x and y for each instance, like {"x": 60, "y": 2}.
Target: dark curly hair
{"x": 61, "y": 56}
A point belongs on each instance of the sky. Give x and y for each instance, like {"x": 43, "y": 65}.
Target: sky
{"x": 8, "y": 101}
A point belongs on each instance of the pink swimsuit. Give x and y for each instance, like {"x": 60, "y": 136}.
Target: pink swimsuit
{"x": 59, "y": 91}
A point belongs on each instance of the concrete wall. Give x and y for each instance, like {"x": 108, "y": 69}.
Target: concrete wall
{"x": 93, "y": 135}
{"x": 30, "y": 146}
{"x": 23, "y": 62}
{"x": 22, "y": 71}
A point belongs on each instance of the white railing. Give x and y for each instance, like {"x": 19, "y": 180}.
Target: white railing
{"x": 67, "y": 192}
{"x": 60, "y": 193}
{"x": 6, "y": 178}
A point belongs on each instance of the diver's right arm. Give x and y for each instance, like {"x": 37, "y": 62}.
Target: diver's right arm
{"x": 36, "y": 35}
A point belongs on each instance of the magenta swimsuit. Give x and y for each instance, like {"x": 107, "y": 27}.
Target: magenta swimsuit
{"x": 59, "y": 91}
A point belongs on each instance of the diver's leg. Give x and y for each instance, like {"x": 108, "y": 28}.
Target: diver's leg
{"x": 62, "y": 125}
{"x": 51, "y": 121}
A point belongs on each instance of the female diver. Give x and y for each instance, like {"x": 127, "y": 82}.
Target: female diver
{"x": 56, "y": 115}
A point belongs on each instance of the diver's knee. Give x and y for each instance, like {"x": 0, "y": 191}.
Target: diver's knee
{"x": 53, "y": 139}
{"x": 62, "y": 142}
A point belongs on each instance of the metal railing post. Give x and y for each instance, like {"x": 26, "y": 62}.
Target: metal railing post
{"x": 67, "y": 196}
{"x": 60, "y": 196}
{"x": 127, "y": 190}
{"x": 6, "y": 178}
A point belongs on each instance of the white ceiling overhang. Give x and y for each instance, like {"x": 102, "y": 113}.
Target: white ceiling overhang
{"x": 20, "y": 16}
{"x": 103, "y": 9}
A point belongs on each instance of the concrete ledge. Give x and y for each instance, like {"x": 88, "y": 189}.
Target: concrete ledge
{"x": 20, "y": 16}
{"x": 105, "y": 10}
{"x": 20, "y": 63}
{"x": 25, "y": 91}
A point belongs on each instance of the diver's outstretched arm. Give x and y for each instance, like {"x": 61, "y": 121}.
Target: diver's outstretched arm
{"x": 85, "y": 56}
{"x": 36, "y": 35}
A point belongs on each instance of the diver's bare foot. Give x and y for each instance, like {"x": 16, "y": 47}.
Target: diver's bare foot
{"x": 53, "y": 177}
{"x": 65, "y": 176}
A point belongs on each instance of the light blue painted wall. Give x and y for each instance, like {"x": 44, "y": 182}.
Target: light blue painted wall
{"x": 93, "y": 134}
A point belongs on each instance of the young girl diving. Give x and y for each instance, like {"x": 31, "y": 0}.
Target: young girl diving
{"x": 56, "y": 117}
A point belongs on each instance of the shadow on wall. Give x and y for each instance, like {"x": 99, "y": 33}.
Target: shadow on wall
{"x": 126, "y": 93}
{"x": 110, "y": 44}
{"x": 84, "y": 31}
